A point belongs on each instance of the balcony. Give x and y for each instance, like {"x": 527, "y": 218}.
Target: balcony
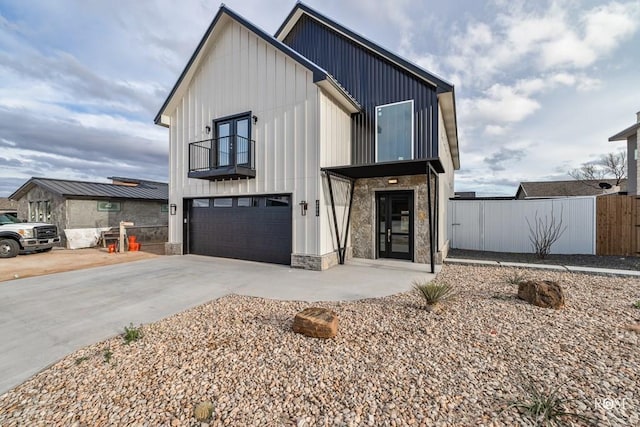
{"x": 227, "y": 157}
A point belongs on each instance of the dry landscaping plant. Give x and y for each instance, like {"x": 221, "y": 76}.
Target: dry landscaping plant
{"x": 107, "y": 355}
{"x": 544, "y": 233}
{"x": 132, "y": 333}
{"x": 434, "y": 293}
{"x": 546, "y": 409}
{"x": 636, "y": 304}
{"x": 516, "y": 277}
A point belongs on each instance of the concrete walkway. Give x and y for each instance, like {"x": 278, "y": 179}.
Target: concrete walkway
{"x": 42, "y": 319}
{"x": 570, "y": 268}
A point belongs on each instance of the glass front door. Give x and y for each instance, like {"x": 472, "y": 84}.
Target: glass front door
{"x": 395, "y": 225}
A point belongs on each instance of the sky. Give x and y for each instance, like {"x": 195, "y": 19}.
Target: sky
{"x": 540, "y": 86}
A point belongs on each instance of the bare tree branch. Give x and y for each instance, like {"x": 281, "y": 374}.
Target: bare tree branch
{"x": 545, "y": 232}
{"x": 610, "y": 165}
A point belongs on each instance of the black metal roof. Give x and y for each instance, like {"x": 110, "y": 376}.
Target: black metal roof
{"x": 439, "y": 83}
{"x": 377, "y": 170}
{"x": 143, "y": 190}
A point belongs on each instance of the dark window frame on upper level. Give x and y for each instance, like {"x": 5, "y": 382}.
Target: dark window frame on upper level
{"x": 412, "y": 135}
{"x": 219, "y": 158}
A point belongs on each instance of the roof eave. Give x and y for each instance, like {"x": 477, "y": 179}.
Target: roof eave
{"x": 300, "y": 8}
{"x": 625, "y": 134}
{"x": 447, "y": 102}
{"x": 319, "y": 74}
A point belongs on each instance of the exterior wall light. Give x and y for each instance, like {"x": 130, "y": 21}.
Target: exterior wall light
{"x": 172, "y": 209}
{"x": 392, "y": 181}
{"x": 303, "y": 207}
{"x": 255, "y": 119}
{"x": 207, "y": 129}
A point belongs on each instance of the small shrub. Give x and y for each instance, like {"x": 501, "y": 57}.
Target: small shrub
{"x": 107, "y": 355}
{"x": 132, "y": 333}
{"x": 79, "y": 360}
{"x": 544, "y": 233}
{"x": 516, "y": 277}
{"x": 434, "y": 292}
{"x": 545, "y": 409}
{"x": 636, "y": 304}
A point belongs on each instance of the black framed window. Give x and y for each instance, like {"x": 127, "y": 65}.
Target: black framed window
{"x": 200, "y": 203}
{"x": 233, "y": 134}
{"x": 394, "y": 131}
{"x": 223, "y": 202}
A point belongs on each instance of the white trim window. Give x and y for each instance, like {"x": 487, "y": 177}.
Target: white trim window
{"x": 394, "y": 131}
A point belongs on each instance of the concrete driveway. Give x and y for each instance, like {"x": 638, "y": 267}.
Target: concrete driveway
{"x": 42, "y": 319}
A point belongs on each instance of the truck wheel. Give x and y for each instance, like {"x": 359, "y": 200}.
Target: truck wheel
{"x": 9, "y": 248}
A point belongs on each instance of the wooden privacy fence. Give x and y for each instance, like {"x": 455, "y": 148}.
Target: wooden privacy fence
{"x": 618, "y": 225}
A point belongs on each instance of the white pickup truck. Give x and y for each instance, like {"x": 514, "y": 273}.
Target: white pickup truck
{"x": 17, "y": 237}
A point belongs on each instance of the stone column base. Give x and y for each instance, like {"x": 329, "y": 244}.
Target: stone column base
{"x": 318, "y": 262}
{"x": 173, "y": 248}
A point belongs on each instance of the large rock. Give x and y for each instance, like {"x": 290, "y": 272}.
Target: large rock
{"x": 316, "y": 322}
{"x": 542, "y": 293}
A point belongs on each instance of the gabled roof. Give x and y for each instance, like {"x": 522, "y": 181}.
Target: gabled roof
{"x": 145, "y": 190}
{"x": 320, "y": 76}
{"x": 300, "y": 8}
{"x": 444, "y": 89}
{"x": 550, "y": 189}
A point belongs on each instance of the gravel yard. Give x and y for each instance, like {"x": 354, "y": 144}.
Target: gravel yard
{"x": 392, "y": 362}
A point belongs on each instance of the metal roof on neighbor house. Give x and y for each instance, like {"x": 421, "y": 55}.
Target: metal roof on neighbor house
{"x": 146, "y": 190}
{"x": 566, "y": 188}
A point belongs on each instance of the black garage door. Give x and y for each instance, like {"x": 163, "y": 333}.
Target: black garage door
{"x": 252, "y": 228}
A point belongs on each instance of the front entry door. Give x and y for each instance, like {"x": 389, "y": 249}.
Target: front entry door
{"x": 395, "y": 224}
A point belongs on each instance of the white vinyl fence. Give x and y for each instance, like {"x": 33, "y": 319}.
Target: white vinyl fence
{"x": 501, "y": 225}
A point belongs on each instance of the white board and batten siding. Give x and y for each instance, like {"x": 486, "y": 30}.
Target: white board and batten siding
{"x": 335, "y": 150}
{"x": 501, "y": 225}
{"x": 240, "y": 72}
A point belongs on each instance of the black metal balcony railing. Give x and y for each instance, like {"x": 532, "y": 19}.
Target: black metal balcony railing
{"x": 226, "y": 157}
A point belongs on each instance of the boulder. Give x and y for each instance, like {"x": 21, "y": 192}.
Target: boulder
{"x": 316, "y": 322}
{"x": 543, "y": 293}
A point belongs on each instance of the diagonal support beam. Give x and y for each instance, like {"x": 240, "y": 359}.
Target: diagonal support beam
{"x": 342, "y": 248}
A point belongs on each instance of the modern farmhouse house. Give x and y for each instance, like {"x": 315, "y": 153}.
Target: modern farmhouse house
{"x": 308, "y": 147}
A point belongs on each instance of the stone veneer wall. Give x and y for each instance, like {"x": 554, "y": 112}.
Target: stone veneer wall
{"x": 173, "y": 248}
{"x": 318, "y": 262}
{"x": 363, "y": 214}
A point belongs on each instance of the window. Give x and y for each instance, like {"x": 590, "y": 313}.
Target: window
{"x": 225, "y": 202}
{"x": 394, "y": 131}
{"x": 200, "y": 203}
{"x": 245, "y": 202}
{"x": 233, "y": 135}
{"x": 40, "y": 211}
{"x": 277, "y": 201}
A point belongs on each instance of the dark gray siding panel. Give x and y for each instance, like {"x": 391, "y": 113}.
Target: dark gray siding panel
{"x": 373, "y": 81}
{"x": 251, "y": 233}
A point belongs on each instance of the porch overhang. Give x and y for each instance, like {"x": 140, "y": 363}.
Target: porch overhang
{"x": 429, "y": 167}
{"x": 396, "y": 168}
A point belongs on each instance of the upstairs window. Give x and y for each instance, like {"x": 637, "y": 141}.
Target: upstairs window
{"x": 394, "y": 131}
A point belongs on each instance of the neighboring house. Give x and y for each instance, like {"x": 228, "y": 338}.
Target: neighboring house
{"x": 307, "y": 148}
{"x": 8, "y": 206}
{"x": 632, "y": 136}
{"x": 82, "y": 209}
{"x": 557, "y": 189}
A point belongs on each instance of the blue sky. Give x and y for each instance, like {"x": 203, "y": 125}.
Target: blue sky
{"x": 540, "y": 86}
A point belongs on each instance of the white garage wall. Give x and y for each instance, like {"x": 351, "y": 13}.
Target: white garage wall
{"x": 501, "y": 225}
{"x": 241, "y": 72}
